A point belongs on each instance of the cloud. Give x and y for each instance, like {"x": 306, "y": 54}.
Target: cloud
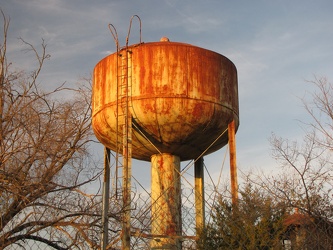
{"x": 274, "y": 45}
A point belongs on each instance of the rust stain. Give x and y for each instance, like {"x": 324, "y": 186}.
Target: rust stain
{"x": 181, "y": 94}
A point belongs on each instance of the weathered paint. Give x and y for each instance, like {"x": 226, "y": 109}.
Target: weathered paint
{"x": 166, "y": 220}
{"x": 182, "y": 98}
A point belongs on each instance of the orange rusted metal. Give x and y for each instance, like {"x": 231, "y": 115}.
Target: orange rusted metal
{"x": 182, "y": 98}
{"x": 233, "y": 163}
{"x": 166, "y": 201}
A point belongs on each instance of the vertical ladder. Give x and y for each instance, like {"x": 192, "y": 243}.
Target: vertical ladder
{"x": 124, "y": 140}
{"x": 123, "y": 152}
{"x": 123, "y": 116}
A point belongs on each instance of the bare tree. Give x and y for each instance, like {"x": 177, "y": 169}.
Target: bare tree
{"x": 320, "y": 108}
{"x": 306, "y": 181}
{"x": 44, "y": 160}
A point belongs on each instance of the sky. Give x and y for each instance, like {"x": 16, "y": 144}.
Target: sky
{"x": 277, "y": 47}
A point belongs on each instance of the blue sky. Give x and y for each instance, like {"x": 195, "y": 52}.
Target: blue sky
{"x": 276, "y": 46}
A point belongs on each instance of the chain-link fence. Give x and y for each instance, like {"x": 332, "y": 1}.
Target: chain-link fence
{"x": 255, "y": 224}
{"x": 141, "y": 221}
{"x": 300, "y": 231}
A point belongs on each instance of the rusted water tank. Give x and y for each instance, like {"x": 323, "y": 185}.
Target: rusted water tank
{"x": 182, "y": 98}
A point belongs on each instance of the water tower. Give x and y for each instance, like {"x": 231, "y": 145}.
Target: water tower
{"x": 163, "y": 102}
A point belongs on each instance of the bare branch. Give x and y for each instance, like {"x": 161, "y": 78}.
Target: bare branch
{"x": 44, "y": 152}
